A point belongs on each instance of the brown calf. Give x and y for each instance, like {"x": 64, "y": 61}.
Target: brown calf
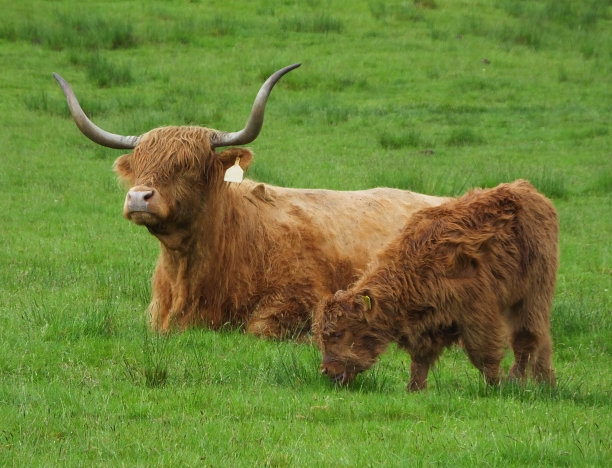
{"x": 480, "y": 268}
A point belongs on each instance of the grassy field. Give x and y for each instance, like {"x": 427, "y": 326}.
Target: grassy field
{"x": 435, "y": 96}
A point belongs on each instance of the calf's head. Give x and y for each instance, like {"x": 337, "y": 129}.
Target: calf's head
{"x": 344, "y": 332}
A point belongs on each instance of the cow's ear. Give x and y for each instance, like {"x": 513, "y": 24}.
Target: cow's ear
{"x": 229, "y": 157}
{"x": 364, "y": 303}
{"x": 123, "y": 168}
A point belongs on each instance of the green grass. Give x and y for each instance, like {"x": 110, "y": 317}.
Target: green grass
{"x": 433, "y": 96}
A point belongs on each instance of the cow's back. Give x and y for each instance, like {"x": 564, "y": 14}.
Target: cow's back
{"x": 352, "y": 225}
{"x": 499, "y": 241}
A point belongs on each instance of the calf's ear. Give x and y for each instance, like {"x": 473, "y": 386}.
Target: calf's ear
{"x": 363, "y": 306}
{"x": 364, "y": 301}
{"x": 229, "y": 157}
{"x": 123, "y": 168}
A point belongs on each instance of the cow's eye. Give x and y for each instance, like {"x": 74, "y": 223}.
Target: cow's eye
{"x": 337, "y": 335}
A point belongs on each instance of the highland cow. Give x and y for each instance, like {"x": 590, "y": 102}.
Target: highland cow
{"x": 480, "y": 268}
{"x": 242, "y": 254}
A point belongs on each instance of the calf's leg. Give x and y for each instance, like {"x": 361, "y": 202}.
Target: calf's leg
{"x": 524, "y": 345}
{"x": 428, "y": 348}
{"x": 542, "y": 368}
{"x": 484, "y": 345}
{"x": 418, "y": 375}
{"x": 531, "y": 341}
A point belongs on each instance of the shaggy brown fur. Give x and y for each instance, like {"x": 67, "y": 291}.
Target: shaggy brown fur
{"x": 477, "y": 268}
{"x": 249, "y": 254}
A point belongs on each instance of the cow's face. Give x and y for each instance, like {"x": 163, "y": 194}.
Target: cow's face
{"x": 347, "y": 342}
{"x": 173, "y": 173}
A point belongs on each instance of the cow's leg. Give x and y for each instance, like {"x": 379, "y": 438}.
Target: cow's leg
{"x": 291, "y": 319}
{"x": 419, "y": 368}
{"x": 531, "y": 341}
{"x": 262, "y": 327}
{"x": 486, "y": 361}
{"x": 537, "y": 350}
{"x": 483, "y": 342}
{"x": 424, "y": 350}
{"x": 427, "y": 350}
{"x": 542, "y": 368}
{"x": 524, "y": 344}
{"x": 159, "y": 312}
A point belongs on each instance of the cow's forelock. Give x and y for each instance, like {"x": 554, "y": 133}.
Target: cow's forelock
{"x": 168, "y": 174}
{"x": 167, "y": 152}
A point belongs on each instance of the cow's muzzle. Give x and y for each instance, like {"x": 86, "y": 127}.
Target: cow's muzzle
{"x": 145, "y": 205}
{"x": 337, "y": 373}
{"x": 138, "y": 200}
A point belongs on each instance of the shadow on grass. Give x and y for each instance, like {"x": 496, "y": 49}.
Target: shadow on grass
{"x": 299, "y": 367}
{"x": 152, "y": 369}
{"x": 568, "y": 389}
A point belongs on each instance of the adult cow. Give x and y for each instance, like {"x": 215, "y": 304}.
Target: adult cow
{"x": 244, "y": 254}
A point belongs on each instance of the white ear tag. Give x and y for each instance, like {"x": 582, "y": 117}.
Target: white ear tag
{"x": 234, "y": 173}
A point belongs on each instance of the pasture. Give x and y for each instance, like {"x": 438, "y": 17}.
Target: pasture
{"x": 434, "y": 96}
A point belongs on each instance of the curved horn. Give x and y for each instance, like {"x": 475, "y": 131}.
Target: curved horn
{"x": 89, "y": 129}
{"x": 255, "y": 121}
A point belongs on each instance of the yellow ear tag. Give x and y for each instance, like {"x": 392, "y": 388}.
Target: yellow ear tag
{"x": 234, "y": 173}
{"x": 368, "y": 302}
